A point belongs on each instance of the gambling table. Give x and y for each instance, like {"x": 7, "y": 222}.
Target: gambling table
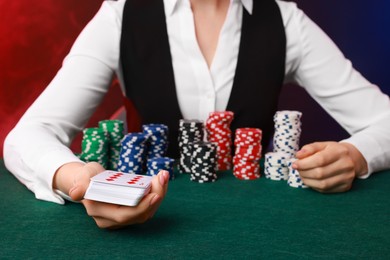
{"x": 227, "y": 219}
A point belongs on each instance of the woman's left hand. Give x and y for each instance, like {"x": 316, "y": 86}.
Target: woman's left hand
{"x": 330, "y": 166}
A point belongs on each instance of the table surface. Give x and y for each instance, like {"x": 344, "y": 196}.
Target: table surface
{"x": 228, "y": 219}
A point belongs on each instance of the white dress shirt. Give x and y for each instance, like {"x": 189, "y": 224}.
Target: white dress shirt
{"x": 38, "y": 145}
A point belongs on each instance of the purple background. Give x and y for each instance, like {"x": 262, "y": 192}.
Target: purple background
{"x": 361, "y": 29}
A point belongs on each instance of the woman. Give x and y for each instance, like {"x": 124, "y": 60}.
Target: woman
{"x": 186, "y": 58}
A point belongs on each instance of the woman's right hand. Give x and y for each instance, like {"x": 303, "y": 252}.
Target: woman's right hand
{"x": 108, "y": 215}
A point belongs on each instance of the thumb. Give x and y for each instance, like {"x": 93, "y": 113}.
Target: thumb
{"x": 82, "y": 179}
{"x": 77, "y": 192}
{"x": 80, "y": 185}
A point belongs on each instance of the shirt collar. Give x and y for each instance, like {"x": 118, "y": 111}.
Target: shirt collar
{"x": 248, "y": 5}
{"x": 170, "y": 5}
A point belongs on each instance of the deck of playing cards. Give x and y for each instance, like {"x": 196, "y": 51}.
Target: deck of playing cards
{"x": 118, "y": 188}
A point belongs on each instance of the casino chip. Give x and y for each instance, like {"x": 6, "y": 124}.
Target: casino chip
{"x": 190, "y": 131}
{"x": 218, "y": 132}
{"x": 132, "y": 158}
{"x": 127, "y": 153}
{"x": 294, "y": 179}
{"x": 247, "y": 154}
{"x": 155, "y": 165}
{"x": 157, "y": 139}
{"x": 204, "y": 162}
{"x": 276, "y": 166}
{"x": 287, "y": 131}
{"x": 114, "y": 129}
{"x": 94, "y": 146}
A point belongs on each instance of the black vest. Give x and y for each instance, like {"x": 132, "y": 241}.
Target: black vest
{"x": 148, "y": 72}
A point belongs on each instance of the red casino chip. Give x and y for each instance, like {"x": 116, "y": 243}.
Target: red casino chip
{"x": 218, "y": 132}
{"x": 247, "y": 153}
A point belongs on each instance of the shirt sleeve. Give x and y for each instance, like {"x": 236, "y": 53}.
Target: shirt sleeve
{"x": 360, "y": 107}
{"x": 38, "y": 145}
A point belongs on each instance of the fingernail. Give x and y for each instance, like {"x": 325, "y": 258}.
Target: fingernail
{"x": 162, "y": 178}
{"x": 154, "y": 200}
{"x": 294, "y": 166}
{"x": 166, "y": 175}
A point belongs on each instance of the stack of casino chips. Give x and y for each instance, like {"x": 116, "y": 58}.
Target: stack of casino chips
{"x": 157, "y": 139}
{"x": 155, "y": 165}
{"x": 218, "y": 132}
{"x": 294, "y": 179}
{"x": 132, "y": 157}
{"x": 190, "y": 131}
{"x": 247, "y": 155}
{"x": 276, "y": 166}
{"x": 94, "y": 146}
{"x": 204, "y": 162}
{"x": 115, "y": 131}
{"x": 287, "y": 132}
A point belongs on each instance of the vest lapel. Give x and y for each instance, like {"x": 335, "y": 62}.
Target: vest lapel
{"x": 147, "y": 65}
{"x": 260, "y": 69}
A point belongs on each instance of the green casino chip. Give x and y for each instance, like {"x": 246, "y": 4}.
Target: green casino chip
{"x": 114, "y": 129}
{"x": 94, "y": 146}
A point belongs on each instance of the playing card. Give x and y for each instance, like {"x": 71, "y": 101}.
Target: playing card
{"x": 118, "y": 188}
{"x": 124, "y": 179}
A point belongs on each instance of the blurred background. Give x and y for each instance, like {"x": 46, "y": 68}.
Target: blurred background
{"x": 36, "y": 36}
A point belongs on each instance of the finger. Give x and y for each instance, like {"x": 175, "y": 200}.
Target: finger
{"x": 159, "y": 187}
{"x": 142, "y": 212}
{"x": 160, "y": 183}
{"x": 323, "y": 172}
{"x": 77, "y": 193}
{"x": 152, "y": 206}
{"x": 340, "y": 188}
{"x": 123, "y": 215}
{"x": 82, "y": 180}
{"x": 106, "y": 223}
{"x": 110, "y": 215}
{"x": 100, "y": 209}
{"x": 165, "y": 180}
{"x": 94, "y": 168}
{"x": 164, "y": 183}
{"x": 80, "y": 186}
{"x": 319, "y": 159}
{"x": 310, "y": 149}
{"x": 334, "y": 183}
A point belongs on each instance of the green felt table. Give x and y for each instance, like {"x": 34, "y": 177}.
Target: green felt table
{"x": 228, "y": 219}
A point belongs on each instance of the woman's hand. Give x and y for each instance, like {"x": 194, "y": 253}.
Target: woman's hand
{"x": 110, "y": 215}
{"x": 330, "y": 166}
